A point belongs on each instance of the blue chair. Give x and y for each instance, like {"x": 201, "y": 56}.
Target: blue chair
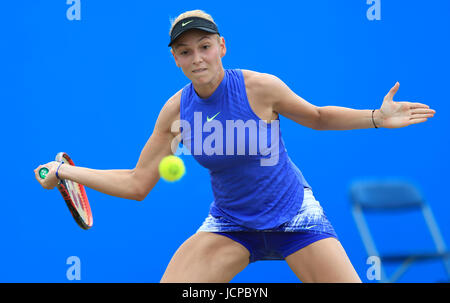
{"x": 385, "y": 196}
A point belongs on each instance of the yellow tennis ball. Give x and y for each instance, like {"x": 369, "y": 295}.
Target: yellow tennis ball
{"x": 171, "y": 168}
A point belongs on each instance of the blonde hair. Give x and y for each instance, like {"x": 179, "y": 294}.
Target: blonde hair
{"x": 187, "y": 14}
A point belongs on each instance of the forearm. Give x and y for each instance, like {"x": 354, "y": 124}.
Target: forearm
{"x": 118, "y": 183}
{"x": 342, "y": 118}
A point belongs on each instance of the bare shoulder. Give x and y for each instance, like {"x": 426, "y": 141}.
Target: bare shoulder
{"x": 169, "y": 113}
{"x": 263, "y": 92}
{"x": 269, "y": 91}
{"x": 262, "y": 85}
{"x": 259, "y": 80}
{"x": 257, "y": 76}
{"x": 172, "y": 105}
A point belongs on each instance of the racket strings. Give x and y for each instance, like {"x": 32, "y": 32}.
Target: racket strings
{"x": 77, "y": 196}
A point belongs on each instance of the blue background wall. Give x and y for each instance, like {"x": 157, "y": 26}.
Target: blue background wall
{"x": 94, "y": 87}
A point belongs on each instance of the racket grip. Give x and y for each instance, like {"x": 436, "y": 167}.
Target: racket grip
{"x": 43, "y": 172}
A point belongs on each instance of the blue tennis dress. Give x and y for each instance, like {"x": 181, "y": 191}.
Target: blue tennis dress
{"x": 256, "y": 186}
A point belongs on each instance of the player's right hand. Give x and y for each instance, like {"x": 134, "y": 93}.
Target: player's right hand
{"x": 50, "y": 180}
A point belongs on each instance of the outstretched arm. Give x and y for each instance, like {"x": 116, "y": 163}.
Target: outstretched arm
{"x": 392, "y": 114}
{"x": 127, "y": 183}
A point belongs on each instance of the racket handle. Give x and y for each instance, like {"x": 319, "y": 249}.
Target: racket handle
{"x": 43, "y": 172}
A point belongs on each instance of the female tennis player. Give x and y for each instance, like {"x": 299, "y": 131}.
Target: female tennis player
{"x": 261, "y": 210}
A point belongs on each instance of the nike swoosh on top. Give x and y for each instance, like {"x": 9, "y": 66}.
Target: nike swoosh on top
{"x": 186, "y": 23}
{"x": 210, "y": 119}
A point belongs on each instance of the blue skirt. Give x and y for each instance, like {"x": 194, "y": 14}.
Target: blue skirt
{"x": 309, "y": 225}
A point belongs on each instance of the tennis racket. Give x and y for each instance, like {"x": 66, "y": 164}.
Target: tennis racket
{"x": 73, "y": 193}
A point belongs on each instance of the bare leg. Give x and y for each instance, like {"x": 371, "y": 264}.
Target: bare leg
{"x": 323, "y": 261}
{"x": 206, "y": 257}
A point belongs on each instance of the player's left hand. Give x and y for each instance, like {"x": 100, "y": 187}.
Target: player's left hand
{"x": 400, "y": 114}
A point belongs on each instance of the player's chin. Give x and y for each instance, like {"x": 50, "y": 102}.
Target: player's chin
{"x": 202, "y": 77}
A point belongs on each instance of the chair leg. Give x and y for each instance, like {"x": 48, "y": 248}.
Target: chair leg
{"x": 401, "y": 270}
{"x": 436, "y": 234}
{"x": 366, "y": 237}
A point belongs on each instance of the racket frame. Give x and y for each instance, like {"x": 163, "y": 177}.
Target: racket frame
{"x": 64, "y": 188}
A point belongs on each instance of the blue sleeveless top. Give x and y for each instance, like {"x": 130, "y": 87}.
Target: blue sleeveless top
{"x": 254, "y": 182}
